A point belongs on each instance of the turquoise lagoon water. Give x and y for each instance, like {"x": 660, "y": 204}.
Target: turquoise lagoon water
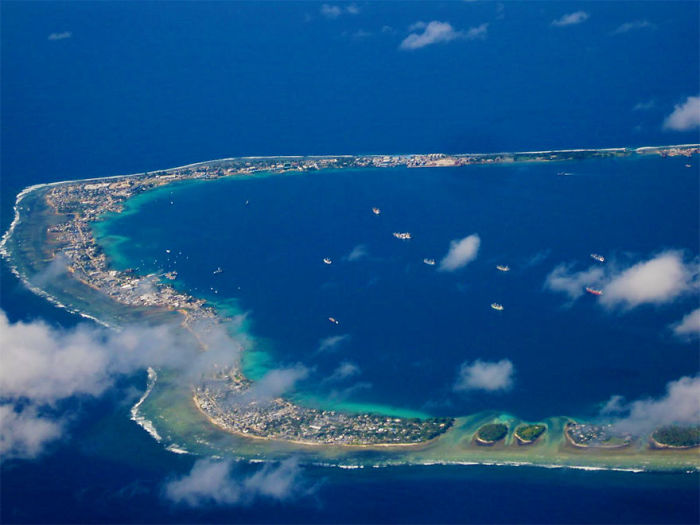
{"x": 407, "y": 327}
{"x": 141, "y": 88}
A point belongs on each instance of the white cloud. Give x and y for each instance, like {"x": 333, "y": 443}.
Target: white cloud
{"x": 60, "y": 36}
{"x": 477, "y": 32}
{"x": 341, "y": 395}
{"x": 659, "y": 280}
{"x": 57, "y": 267}
{"x": 537, "y": 258}
{"x": 47, "y": 364}
{"x": 689, "y": 326}
{"x": 273, "y": 384}
{"x": 632, "y": 26}
{"x": 613, "y": 405}
{"x": 345, "y": 370}
{"x": 685, "y": 116}
{"x": 484, "y": 375}
{"x": 656, "y": 281}
{"x": 334, "y": 11}
{"x": 23, "y": 433}
{"x": 43, "y": 365}
{"x": 680, "y": 405}
{"x": 330, "y": 344}
{"x": 644, "y": 106}
{"x": 215, "y": 482}
{"x": 331, "y": 11}
{"x": 358, "y": 252}
{"x": 571, "y": 19}
{"x": 361, "y": 34}
{"x": 561, "y": 279}
{"x": 438, "y": 32}
{"x": 461, "y": 253}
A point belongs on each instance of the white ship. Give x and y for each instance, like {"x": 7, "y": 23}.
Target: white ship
{"x": 429, "y": 262}
{"x": 497, "y": 306}
{"x": 597, "y": 257}
{"x": 404, "y": 236}
{"x": 376, "y": 211}
{"x": 333, "y": 320}
{"x": 503, "y": 268}
{"x": 326, "y": 260}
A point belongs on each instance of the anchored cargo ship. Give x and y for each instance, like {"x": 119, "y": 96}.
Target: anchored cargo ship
{"x": 593, "y": 291}
{"x": 497, "y": 306}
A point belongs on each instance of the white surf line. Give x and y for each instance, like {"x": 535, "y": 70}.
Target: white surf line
{"x": 136, "y": 416}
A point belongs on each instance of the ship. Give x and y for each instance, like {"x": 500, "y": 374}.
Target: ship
{"x": 218, "y": 270}
{"x": 497, "y": 306}
{"x": 597, "y": 257}
{"x": 404, "y": 236}
{"x": 564, "y": 173}
{"x": 429, "y": 262}
{"x": 593, "y": 291}
{"x": 376, "y": 211}
{"x": 503, "y": 267}
{"x": 333, "y": 320}
{"x": 326, "y": 260}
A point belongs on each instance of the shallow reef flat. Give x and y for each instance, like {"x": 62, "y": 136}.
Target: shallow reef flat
{"x": 57, "y": 220}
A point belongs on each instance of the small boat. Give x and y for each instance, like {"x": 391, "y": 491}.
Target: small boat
{"x": 247, "y": 203}
{"x": 497, "y": 306}
{"x": 429, "y": 262}
{"x": 404, "y": 236}
{"x": 564, "y": 173}
{"x": 376, "y": 211}
{"x": 503, "y": 267}
{"x": 593, "y": 291}
{"x": 333, "y": 320}
{"x": 326, "y": 260}
{"x": 688, "y": 166}
{"x": 218, "y": 270}
{"x": 597, "y": 257}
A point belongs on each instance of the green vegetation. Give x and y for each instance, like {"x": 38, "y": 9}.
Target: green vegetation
{"x": 678, "y": 436}
{"x": 492, "y": 432}
{"x": 530, "y": 432}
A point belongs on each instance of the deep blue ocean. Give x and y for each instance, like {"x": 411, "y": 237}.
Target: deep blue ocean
{"x": 145, "y": 86}
{"x": 408, "y": 326}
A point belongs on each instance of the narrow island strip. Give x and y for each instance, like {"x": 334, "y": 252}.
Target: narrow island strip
{"x": 55, "y": 222}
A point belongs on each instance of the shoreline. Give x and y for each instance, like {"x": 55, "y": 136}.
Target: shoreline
{"x": 17, "y": 271}
{"x": 573, "y": 443}
{"x": 663, "y": 446}
{"x": 351, "y": 446}
{"x": 526, "y": 442}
